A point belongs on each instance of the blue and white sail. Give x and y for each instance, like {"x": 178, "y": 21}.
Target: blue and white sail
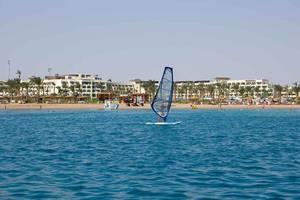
{"x": 162, "y": 101}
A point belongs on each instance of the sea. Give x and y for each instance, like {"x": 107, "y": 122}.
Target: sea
{"x": 95, "y": 154}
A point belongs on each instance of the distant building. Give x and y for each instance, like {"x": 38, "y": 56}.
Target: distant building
{"x": 122, "y": 88}
{"x": 86, "y": 84}
{"x": 263, "y": 85}
{"x": 137, "y": 85}
{"x": 92, "y": 86}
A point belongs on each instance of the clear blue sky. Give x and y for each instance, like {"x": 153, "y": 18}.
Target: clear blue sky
{"x": 129, "y": 39}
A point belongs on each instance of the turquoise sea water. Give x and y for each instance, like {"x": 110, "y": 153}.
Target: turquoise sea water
{"x": 229, "y": 154}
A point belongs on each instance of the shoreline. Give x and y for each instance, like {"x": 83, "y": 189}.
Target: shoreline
{"x": 35, "y": 106}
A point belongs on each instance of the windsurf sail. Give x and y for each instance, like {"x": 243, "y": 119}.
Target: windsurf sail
{"x": 163, "y": 98}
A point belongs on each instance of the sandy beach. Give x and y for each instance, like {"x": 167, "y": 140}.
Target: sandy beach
{"x": 125, "y": 107}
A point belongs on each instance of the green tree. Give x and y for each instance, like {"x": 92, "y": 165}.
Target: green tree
{"x": 150, "y": 88}
{"x": 26, "y": 86}
{"x": 211, "y": 90}
{"x": 185, "y": 87}
{"x": 175, "y": 92}
{"x": 236, "y": 88}
{"x": 181, "y": 91}
{"x": 78, "y": 88}
{"x": 192, "y": 89}
{"x": 277, "y": 91}
{"x": 242, "y": 91}
{"x": 265, "y": 93}
{"x": 3, "y": 88}
{"x": 248, "y": 90}
{"x": 37, "y": 83}
{"x": 200, "y": 90}
{"x": 65, "y": 88}
{"x": 101, "y": 86}
{"x": 222, "y": 89}
{"x": 60, "y": 91}
{"x": 296, "y": 89}
{"x": 74, "y": 92}
{"x": 13, "y": 87}
{"x": 257, "y": 91}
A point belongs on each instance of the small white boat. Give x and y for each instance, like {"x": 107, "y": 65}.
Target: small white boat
{"x": 111, "y": 105}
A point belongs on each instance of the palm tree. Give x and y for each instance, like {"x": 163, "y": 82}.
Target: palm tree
{"x": 53, "y": 84}
{"x": 25, "y": 85}
{"x": 193, "y": 90}
{"x": 242, "y": 91}
{"x": 150, "y": 88}
{"x": 180, "y": 91}
{"x": 37, "y": 82}
{"x": 109, "y": 87}
{"x": 78, "y": 88}
{"x": 59, "y": 90}
{"x": 101, "y": 86}
{"x": 211, "y": 90}
{"x": 236, "y": 88}
{"x": 248, "y": 90}
{"x": 3, "y": 88}
{"x": 265, "y": 93}
{"x": 13, "y": 87}
{"x": 175, "y": 91}
{"x": 185, "y": 87}
{"x": 65, "y": 88}
{"x": 296, "y": 89}
{"x": 222, "y": 89}
{"x": 74, "y": 92}
{"x": 257, "y": 90}
{"x": 200, "y": 90}
{"x": 277, "y": 91}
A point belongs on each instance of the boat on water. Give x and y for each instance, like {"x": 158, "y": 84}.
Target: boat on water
{"x": 111, "y": 105}
{"x": 162, "y": 100}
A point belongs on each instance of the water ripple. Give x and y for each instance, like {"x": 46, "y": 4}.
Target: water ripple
{"x": 95, "y": 154}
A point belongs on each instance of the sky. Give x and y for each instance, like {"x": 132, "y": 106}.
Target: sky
{"x": 123, "y": 40}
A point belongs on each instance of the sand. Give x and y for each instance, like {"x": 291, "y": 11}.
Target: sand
{"x": 125, "y": 107}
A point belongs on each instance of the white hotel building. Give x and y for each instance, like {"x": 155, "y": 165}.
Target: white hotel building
{"x": 262, "y": 84}
{"x": 90, "y": 85}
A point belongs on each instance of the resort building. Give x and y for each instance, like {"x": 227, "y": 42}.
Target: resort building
{"x": 121, "y": 87}
{"x": 250, "y": 87}
{"x": 137, "y": 85}
{"x": 233, "y": 88}
{"x": 84, "y": 84}
{"x": 189, "y": 89}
